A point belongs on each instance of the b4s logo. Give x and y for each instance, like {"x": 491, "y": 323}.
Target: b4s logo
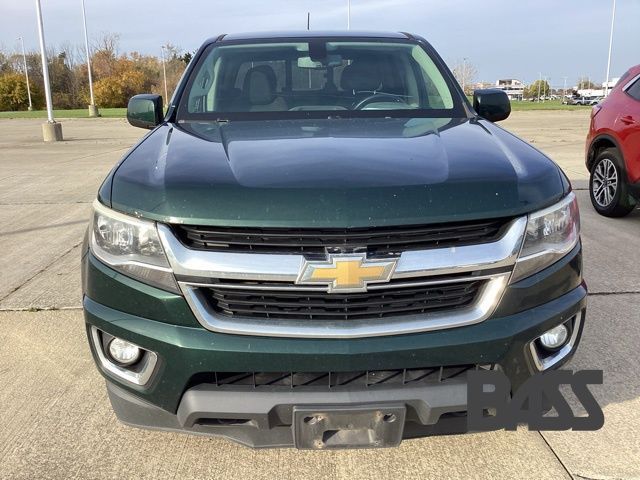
{"x": 490, "y": 389}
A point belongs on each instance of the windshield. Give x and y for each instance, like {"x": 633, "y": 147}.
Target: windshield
{"x": 317, "y": 77}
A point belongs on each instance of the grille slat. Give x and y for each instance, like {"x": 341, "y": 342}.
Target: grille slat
{"x": 337, "y": 315}
{"x": 364, "y": 379}
{"x": 325, "y": 306}
{"x": 321, "y": 300}
{"x": 328, "y": 308}
{"x": 378, "y": 240}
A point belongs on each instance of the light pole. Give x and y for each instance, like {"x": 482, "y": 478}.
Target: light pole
{"x": 348, "y": 14}
{"x": 539, "y": 84}
{"x": 26, "y": 72}
{"x": 164, "y": 74}
{"x": 464, "y": 74}
{"x": 547, "y": 83}
{"x": 564, "y": 89}
{"x": 51, "y": 131}
{"x": 613, "y": 18}
{"x": 93, "y": 110}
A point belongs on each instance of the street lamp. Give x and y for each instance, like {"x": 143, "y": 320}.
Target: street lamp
{"x": 26, "y": 72}
{"x": 547, "y": 83}
{"x": 464, "y": 75}
{"x": 613, "y": 18}
{"x": 348, "y": 14}
{"x": 93, "y": 110}
{"x": 51, "y": 130}
{"x": 164, "y": 73}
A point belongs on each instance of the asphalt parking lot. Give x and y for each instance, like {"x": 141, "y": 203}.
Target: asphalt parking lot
{"x": 56, "y": 421}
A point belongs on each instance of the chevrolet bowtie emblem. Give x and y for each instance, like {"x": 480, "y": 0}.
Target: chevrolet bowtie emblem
{"x": 346, "y": 273}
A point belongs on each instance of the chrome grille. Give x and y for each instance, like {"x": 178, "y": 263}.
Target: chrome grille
{"x": 313, "y": 305}
{"x": 247, "y": 292}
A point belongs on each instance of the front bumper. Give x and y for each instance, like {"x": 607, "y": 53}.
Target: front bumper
{"x": 180, "y": 395}
{"x": 266, "y": 418}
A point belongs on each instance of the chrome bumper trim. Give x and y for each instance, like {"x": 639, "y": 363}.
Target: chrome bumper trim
{"x": 307, "y": 288}
{"x": 140, "y": 377}
{"x": 285, "y": 268}
{"x": 548, "y": 362}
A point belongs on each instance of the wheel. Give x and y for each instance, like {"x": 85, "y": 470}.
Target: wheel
{"x": 607, "y": 187}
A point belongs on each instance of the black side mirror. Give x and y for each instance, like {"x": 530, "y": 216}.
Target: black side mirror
{"x": 145, "y": 111}
{"x": 492, "y": 104}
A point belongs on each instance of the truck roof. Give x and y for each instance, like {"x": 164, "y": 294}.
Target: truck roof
{"x": 307, "y": 34}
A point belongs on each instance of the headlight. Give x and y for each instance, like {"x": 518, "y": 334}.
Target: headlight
{"x": 131, "y": 246}
{"x": 551, "y": 234}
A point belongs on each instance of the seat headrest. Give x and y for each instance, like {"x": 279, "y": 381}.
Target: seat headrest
{"x": 362, "y": 75}
{"x": 259, "y": 85}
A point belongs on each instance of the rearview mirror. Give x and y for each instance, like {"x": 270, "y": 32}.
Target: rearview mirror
{"x": 329, "y": 61}
{"x": 492, "y": 104}
{"x": 145, "y": 111}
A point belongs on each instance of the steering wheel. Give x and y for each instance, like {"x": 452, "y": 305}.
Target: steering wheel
{"x": 376, "y": 97}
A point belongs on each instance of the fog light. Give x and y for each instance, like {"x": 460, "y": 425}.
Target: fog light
{"x": 123, "y": 352}
{"x": 554, "y": 338}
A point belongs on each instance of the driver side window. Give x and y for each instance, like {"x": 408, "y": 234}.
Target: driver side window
{"x": 201, "y": 98}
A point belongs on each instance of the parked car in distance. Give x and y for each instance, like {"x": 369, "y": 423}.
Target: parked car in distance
{"x": 317, "y": 242}
{"x": 582, "y": 101}
{"x": 595, "y": 101}
{"x": 613, "y": 148}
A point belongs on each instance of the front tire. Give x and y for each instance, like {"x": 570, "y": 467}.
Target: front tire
{"x": 607, "y": 185}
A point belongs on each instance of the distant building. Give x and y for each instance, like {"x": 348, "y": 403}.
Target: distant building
{"x": 482, "y": 85}
{"x": 597, "y": 92}
{"x": 512, "y": 87}
{"x": 611, "y": 83}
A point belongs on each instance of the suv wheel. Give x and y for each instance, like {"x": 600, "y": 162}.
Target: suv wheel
{"x": 607, "y": 187}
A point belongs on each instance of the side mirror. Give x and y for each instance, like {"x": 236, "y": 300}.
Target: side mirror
{"x": 491, "y": 104}
{"x": 145, "y": 111}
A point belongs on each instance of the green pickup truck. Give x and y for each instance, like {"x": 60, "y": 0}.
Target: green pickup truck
{"x": 318, "y": 240}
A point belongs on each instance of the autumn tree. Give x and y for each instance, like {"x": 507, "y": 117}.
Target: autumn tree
{"x": 105, "y": 55}
{"x": 116, "y": 76}
{"x": 175, "y": 65}
{"x": 63, "y": 82}
{"x": 14, "y": 95}
{"x": 126, "y": 81}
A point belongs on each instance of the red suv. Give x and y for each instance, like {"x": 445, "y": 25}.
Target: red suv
{"x": 613, "y": 148}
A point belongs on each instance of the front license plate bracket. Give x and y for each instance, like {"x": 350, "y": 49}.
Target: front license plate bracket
{"x": 326, "y": 428}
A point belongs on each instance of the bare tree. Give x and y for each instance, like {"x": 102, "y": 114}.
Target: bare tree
{"x": 585, "y": 83}
{"x": 105, "y": 54}
{"x": 74, "y": 55}
{"x": 108, "y": 42}
{"x": 465, "y": 73}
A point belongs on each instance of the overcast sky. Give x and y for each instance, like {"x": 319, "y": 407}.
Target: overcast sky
{"x": 502, "y": 38}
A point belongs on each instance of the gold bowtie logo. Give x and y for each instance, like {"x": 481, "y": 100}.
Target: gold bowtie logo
{"x": 346, "y": 273}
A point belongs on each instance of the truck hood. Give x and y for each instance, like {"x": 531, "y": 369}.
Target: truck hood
{"x": 333, "y": 173}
